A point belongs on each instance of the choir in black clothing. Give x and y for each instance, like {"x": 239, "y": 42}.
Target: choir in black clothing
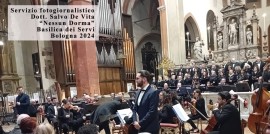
{"x": 233, "y": 72}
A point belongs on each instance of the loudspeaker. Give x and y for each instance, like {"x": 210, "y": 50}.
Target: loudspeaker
{"x": 35, "y": 62}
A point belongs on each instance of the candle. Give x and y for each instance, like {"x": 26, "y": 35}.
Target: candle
{"x": 208, "y": 28}
{"x": 188, "y": 39}
{"x": 3, "y": 27}
{"x": 188, "y": 44}
{"x": 264, "y": 28}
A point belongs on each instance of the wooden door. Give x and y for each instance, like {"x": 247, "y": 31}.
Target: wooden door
{"x": 110, "y": 80}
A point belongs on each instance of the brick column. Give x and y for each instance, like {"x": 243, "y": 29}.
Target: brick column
{"x": 163, "y": 28}
{"x": 85, "y": 62}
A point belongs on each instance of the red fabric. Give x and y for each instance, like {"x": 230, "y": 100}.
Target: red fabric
{"x": 168, "y": 125}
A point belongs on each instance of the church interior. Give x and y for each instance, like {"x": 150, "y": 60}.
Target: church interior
{"x": 168, "y": 38}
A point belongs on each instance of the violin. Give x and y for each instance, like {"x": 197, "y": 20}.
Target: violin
{"x": 192, "y": 109}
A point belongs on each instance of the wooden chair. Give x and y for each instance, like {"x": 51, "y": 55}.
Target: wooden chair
{"x": 200, "y": 122}
{"x": 117, "y": 129}
{"x": 169, "y": 128}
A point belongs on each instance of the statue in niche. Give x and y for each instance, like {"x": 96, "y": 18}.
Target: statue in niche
{"x": 233, "y": 32}
{"x": 220, "y": 41}
{"x": 249, "y": 36}
{"x": 198, "y": 49}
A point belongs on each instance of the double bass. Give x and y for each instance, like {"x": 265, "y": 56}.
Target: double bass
{"x": 258, "y": 101}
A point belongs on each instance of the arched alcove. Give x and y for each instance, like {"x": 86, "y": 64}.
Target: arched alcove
{"x": 191, "y": 32}
{"x": 147, "y": 43}
{"x": 210, "y": 18}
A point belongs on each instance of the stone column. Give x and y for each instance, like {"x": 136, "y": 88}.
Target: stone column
{"x": 175, "y": 38}
{"x": 85, "y": 62}
{"x": 225, "y": 35}
{"x": 163, "y": 28}
{"x": 244, "y": 30}
{"x": 215, "y": 37}
{"x": 241, "y": 32}
{"x": 255, "y": 21}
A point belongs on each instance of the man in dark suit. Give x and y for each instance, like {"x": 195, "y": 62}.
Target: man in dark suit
{"x": 102, "y": 115}
{"x": 259, "y": 63}
{"x": 227, "y": 117}
{"x": 52, "y": 113}
{"x": 146, "y": 105}
{"x": 22, "y": 101}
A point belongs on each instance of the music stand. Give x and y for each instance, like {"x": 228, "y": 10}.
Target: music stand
{"x": 4, "y": 107}
{"x": 213, "y": 89}
{"x": 242, "y": 87}
{"x": 228, "y": 88}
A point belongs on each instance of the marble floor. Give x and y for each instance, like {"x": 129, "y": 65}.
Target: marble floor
{"x": 8, "y": 128}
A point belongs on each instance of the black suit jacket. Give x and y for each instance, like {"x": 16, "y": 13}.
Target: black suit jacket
{"x": 147, "y": 111}
{"x": 257, "y": 64}
{"x": 24, "y": 103}
{"x": 51, "y": 112}
{"x": 166, "y": 114}
{"x": 228, "y": 120}
{"x": 105, "y": 111}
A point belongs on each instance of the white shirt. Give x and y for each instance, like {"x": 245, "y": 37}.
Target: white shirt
{"x": 55, "y": 110}
{"x": 141, "y": 95}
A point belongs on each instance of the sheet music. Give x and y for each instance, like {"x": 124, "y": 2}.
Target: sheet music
{"x": 36, "y": 96}
{"x": 11, "y": 98}
{"x": 123, "y": 113}
{"x": 180, "y": 112}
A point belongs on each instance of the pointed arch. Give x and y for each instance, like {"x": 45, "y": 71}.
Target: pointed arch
{"x": 191, "y": 27}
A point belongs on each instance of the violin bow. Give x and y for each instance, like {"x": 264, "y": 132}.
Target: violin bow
{"x": 198, "y": 111}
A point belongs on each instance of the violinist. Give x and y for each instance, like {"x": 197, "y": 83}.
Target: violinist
{"x": 78, "y": 118}
{"x": 65, "y": 116}
{"x": 166, "y": 112}
{"x": 199, "y": 103}
{"x": 227, "y": 116}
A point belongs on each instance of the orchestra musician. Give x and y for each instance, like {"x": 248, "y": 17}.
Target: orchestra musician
{"x": 199, "y": 103}
{"x": 65, "y": 117}
{"x": 52, "y": 113}
{"x": 78, "y": 118}
{"x": 166, "y": 112}
{"x": 146, "y": 105}
{"x": 227, "y": 116}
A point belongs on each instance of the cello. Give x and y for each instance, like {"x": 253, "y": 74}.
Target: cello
{"x": 258, "y": 101}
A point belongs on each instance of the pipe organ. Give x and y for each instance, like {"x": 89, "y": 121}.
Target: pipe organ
{"x": 110, "y": 22}
{"x": 114, "y": 68}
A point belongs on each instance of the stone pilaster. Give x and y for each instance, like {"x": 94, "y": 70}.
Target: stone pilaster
{"x": 163, "y": 28}
{"x": 85, "y": 62}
